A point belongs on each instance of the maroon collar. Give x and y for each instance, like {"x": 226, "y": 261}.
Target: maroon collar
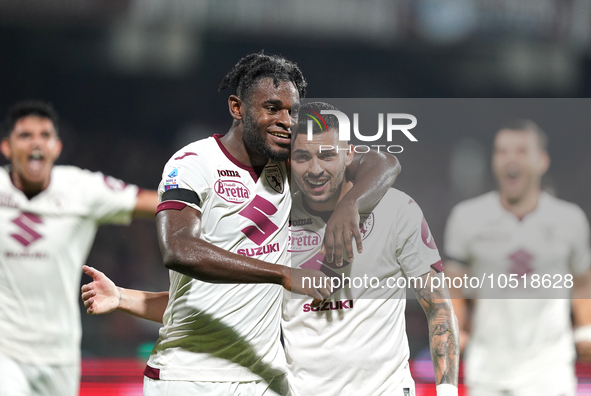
{"x": 255, "y": 172}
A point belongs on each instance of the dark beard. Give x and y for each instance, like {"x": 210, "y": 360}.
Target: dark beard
{"x": 254, "y": 140}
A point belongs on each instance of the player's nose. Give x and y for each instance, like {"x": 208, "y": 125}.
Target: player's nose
{"x": 284, "y": 119}
{"x": 315, "y": 169}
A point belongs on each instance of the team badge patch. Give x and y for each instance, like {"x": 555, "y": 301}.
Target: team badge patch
{"x": 274, "y": 178}
{"x": 366, "y": 226}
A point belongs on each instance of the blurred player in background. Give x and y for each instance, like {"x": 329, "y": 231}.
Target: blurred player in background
{"x": 223, "y": 230}
{"x": 49, "y": 216}
{"x": 521, "y": 346}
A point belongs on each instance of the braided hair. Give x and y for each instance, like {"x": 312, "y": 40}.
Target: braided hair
{"x": 259, "y": 65}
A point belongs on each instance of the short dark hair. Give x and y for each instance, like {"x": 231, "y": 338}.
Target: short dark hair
{"x": 524, "y": 124}
{"x": 253, "y": 67}
{"x": 311, "y": 111}
{"x": 28, "y": 108}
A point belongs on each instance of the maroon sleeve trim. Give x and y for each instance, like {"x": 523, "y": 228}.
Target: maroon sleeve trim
{"x": 438, "y": 266}
{"x": 152, "y": 373}
{"x": 174, "y": 205}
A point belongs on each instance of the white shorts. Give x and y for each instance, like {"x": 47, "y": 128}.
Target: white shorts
{"x": 557, "y": 381}
{"x": 23, "y": 379}
{"x": 277, "y": 386}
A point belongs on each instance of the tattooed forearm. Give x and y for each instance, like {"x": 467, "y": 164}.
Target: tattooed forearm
{"x": 443, "y": 334}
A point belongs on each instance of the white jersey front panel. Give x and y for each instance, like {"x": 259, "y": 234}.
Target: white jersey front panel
{"x": 354, "y": 346}
{"x": 44, "y": 242}
{"x": 514, "y": 339}
{"x": 226, "y": 332}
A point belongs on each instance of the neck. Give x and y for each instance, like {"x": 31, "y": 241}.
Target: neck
{"x": 524, "y": 205}
{"x": 331, "y": 204}
{"x": 28, "y": 188}
{"x": 234, "y": 143}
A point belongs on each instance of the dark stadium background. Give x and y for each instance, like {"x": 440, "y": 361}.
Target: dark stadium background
{"x": 135, "y": 80}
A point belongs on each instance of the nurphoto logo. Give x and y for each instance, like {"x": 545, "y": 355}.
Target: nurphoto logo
{"x": 392, "y": 126}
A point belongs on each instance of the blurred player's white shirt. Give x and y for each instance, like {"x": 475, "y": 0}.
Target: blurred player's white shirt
{"x": 44, "y": 242}
{"x": 356, "y": 345}
{"x": 515, "y": 340}
{"x": 222, "y": 332}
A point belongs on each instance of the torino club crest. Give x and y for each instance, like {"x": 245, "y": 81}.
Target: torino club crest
{"x": 274, "y": 177}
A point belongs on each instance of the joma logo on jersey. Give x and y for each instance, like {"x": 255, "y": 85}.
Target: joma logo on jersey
{"x": 330, "y": 306}
{"x": 27, "y": 234}
{"x": 251, "y": 252}
{"x": 232, "y": 191}
{"x": 229, "y": 173}
{"x": 300, "y": 222}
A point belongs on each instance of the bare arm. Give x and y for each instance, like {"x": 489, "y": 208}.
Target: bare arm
{"x": 146, "y": 203}
{"x": 373, "y": 173}
{"x": 185, "y": 252}
{"x": 581, "y": 307}
{"x": 459, "y": 302}
{"x": 101, "y": 296}
{"x": 443, "y": 329}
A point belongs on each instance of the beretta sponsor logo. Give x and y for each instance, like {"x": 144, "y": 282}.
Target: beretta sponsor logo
{"x": 232, "y": 191}
{"x": 303, "y": 240}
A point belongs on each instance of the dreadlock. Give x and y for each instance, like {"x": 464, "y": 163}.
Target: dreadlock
{"x": 259, "y": 65}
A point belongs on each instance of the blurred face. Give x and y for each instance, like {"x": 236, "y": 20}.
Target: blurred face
{"x": 270, "y": 113}
{"x": 518, "y": 163}
{"x": 32, "y": 148}
{"x": 320, "y": 175}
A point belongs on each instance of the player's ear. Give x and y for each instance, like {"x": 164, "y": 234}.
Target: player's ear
{"x": 235, "y": 105}
{"x": 544, "y": 163}
{"x": 5, "y": 148}
{"x": 57, "y": 148}
{"x": 350, "y": 155}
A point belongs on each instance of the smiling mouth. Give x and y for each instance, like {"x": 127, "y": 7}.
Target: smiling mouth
{"x": 283, "y": 135}
{"x": 316, "y": 184}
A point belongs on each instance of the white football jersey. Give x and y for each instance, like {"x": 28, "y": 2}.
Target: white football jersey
{"x": 44, "y": 242}
{"x": 355, "y": 343}
{"x": 221, "y": 331}
{"x": 514, "y": 339}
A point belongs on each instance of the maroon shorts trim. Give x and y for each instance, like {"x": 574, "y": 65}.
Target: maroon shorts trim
{"x": 175, "y": 205}
{"x": 152, "y": 373}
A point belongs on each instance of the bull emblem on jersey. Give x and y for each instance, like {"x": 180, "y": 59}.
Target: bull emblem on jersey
{"x": 274, "y": 178}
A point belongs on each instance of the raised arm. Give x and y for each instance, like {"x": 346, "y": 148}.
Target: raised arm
{"x": 185, "y": 252}
{"x": 443, "y": 331}
{"x": 372, "y": 173}
{"x": 146, "y": 204}
{"x": 102, "y": 296}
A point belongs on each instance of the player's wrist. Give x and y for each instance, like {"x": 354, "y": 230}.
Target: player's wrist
{"x": 583, "y": 333}
{"x": 446, "y": 390}
{"x": 120, "y": 290}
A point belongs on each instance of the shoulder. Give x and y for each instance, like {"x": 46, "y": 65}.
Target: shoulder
{"x": 398, "y": 201}
{"x": 200, "y": 149}
{"x": 72, "y": 173}
{"x": 560, "y": 209}
{"x": 477, "y": 206}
